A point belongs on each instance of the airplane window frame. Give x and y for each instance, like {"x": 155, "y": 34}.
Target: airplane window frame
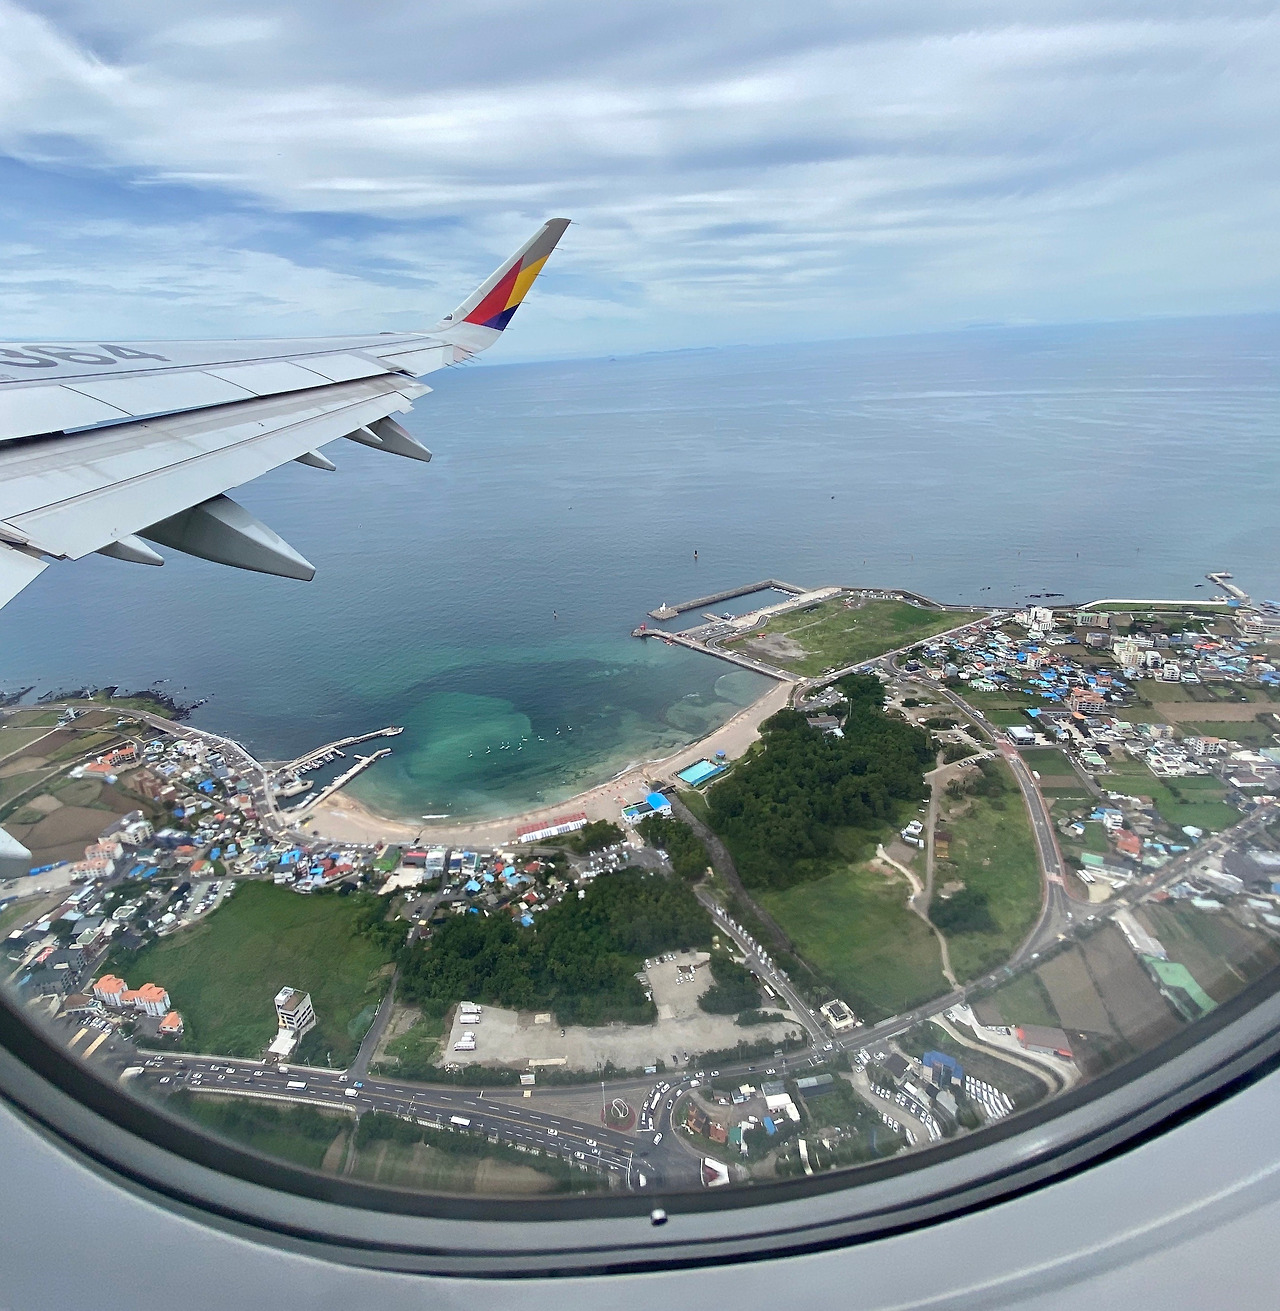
{"x": 175, "y": 1164}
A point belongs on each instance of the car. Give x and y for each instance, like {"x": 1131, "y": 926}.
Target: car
{"x": 579, "y": 1156}
{"x": 657, "y": 1138}
{"x": 771, "y": 1070}
{"x": 591, "y": 1142}
{"x": 165, "y": 1079}
{"x": 553, "y": 1133}
{"x": 358, "y": 1084}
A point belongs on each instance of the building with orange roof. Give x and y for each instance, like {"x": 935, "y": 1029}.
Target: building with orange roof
{"x": 170, "y": 1026}
{"x": 110, "y": 990}
{"x": 152, "y": 999}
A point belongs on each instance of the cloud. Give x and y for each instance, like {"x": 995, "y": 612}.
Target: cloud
{"x": 736, "y": 172}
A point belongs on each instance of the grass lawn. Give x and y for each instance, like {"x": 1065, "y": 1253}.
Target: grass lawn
{"x": 833, "y": 635}
{"x": 1047, "y": 760}
{"x": 696, "y": 803}
{"x": 855, "y": 928}
{"x": 1003, "y": 718}
{"x": 223, "y": 974}
{"x": 993, "y": 852}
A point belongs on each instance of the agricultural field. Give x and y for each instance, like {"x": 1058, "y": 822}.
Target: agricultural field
{"x": 223, "y": 973}
{"x": 1196, "y": 800}
{"x": 428, "y": 1169}
{"x": 832, "y": 634}
{"x": 1138, "y": 1013}
{"x": 1222, "y": 955}
{"x": 854, "y": 927}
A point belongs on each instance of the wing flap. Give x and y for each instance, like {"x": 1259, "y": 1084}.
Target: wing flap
{"x": 27, "y": 410}
{"x": 74, "y": 494}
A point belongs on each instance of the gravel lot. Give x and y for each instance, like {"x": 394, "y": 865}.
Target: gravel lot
{"x": 506, "y": 1037}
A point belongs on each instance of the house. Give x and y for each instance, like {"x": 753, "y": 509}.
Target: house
{"x": 170, "y": 1026}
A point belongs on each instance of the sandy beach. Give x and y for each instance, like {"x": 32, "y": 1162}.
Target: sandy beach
{"x": 343, "y": 819}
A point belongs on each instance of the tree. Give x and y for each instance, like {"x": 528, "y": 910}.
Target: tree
{"x": 779, "y": 810}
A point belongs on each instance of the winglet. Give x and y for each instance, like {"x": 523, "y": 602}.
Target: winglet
{"x": 492, "y": 304}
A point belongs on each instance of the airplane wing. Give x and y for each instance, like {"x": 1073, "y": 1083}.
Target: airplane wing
{"x": 122, "y": 447}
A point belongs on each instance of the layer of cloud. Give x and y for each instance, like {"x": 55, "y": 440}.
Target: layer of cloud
{"x": 736, "y": 172}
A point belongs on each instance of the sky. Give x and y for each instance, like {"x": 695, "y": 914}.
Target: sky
{"x": 736, "y": 172}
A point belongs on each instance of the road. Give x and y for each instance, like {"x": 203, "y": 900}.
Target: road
{"x": 501, "y": 1114}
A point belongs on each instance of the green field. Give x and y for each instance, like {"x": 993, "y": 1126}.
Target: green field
{"x": 1047, "y": 760}
{"x": 854, "y": 926}
{"x": 1003, "y": 718}
{"x": 1196, "y": 801}
{"x": 300, "y": 1134}
{"x": 12, "y": 740}
{"x": 1251, "y": 733}
{"x": 1023, "y": 1000}
{"x": 414, "y": 1052}
{"x": 993, "y": 853}
{"x": 32, "y": 718}
{"x": 832, "y": 635}
{"x": 223, "y": 974}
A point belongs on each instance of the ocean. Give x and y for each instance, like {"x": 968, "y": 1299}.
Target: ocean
{"x": 485, "y": 601}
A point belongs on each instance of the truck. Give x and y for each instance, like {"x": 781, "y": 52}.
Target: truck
{"x": 461, "y": 1121}
{"x": 296, "y": 1083}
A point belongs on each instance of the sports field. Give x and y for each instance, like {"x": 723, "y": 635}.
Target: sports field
{"x": 223, "y": 973}
{"x": 832, "y": 634}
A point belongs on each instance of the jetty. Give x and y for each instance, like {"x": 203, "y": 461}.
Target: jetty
{"x": 362, "y": 763}
{"x": 665, "y": 611}
{"x": 332, "y": 750}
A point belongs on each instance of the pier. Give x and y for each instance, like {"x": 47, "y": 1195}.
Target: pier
{"x": 665, "y": 611}
{"x": 362, "y": 763}
{"x": 332, "y": 750}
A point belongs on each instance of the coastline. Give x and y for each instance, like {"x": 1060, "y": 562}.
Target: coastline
{"x": 343, "y": 819}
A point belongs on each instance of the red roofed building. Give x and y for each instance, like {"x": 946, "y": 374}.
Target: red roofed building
{"x": 110, "y": 990}
{"x": 171, "y": 1026}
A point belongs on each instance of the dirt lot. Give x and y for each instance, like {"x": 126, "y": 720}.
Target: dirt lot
{"x": 506, "y": 1037}
{"x": 1073, "y": 995}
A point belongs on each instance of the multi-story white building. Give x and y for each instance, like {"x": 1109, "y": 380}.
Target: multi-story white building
{"x": 294, "y": 1011}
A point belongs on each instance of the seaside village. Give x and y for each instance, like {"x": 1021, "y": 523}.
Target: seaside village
{"x": 1109, "y": 708}
{"x": 161, "y": 868}
{"x": 1090, "y": 699}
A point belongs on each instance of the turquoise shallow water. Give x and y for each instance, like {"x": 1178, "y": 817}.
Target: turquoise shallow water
{"x": 1116, "y": 460}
